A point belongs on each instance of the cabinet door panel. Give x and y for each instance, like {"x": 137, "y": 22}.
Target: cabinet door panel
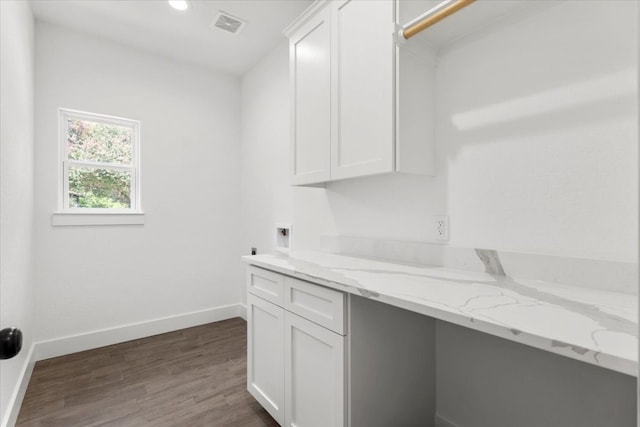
{"x": 314, "y": 375}
{"x": 310, "y": 59}
{"x": 265, "y": 355}
{"x": 363, "y": 107}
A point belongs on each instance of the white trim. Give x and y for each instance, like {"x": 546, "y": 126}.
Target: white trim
{"x": 99, "y": 165}
{"x": 15, "y": 402}
{"x": 441, "y": 421}
{"x": 242, "y": 311}
{"x": 304, "y": 17}
{"x": 102, "y": 118}
{"x": 96, "y": 218}
{"x": 103, "y": 337}
{"x": 64, "y": 114}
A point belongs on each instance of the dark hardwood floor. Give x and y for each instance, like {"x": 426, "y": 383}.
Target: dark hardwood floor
{"x": 191, "y": 377}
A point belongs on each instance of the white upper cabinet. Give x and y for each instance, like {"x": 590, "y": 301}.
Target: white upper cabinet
{"x": 361, "y": 105}
{"x": 310, "y": 71}
{"x": 363, "y": 50}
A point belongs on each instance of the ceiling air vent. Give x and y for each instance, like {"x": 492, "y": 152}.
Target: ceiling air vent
{"x": 227, "y": 22}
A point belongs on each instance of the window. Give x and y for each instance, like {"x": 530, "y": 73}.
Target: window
{"x": 100, "y": 164}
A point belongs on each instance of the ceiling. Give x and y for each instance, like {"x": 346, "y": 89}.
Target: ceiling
{"x": 186, "y": 36}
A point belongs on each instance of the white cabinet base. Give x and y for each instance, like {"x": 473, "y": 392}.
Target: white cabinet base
{"x": 295, "y": 367}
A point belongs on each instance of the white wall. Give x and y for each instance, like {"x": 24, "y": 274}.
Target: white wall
{"x": 536, "y": 152}
{"x": 536, "y": 146}
{"x": 16, "y": 194}
{"x": 539, "y": 125}
{"x": 185, "y": 258}
{"x": 267, "y": 197}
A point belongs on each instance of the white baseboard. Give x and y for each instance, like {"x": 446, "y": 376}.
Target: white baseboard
{"x": 441, "y": 421}
{"x": 103, "y": 337}
{"x": 242, "y": 311}
{"x": 15, "y": 402}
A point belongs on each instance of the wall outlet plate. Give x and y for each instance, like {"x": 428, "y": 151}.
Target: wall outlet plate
{"x": 442, "y": 228}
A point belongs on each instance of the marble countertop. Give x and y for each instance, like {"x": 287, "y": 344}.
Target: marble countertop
{"x": 594, "y": 326}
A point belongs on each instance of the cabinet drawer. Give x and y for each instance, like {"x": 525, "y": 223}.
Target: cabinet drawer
{"x": 266, "y": 284}
{"x": 321, "y": 305}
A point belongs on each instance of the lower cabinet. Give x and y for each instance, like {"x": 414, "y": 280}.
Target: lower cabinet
{"x": 314, "y": 374}
{"x": 265, "y": 355}
{"x": 296, "y": 367}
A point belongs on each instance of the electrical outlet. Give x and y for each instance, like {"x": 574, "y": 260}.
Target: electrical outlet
{"x": 442, "y": 227}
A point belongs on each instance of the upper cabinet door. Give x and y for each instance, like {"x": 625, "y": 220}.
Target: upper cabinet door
{"x": 363, "y": 101}
{"x": 310, "y": 62}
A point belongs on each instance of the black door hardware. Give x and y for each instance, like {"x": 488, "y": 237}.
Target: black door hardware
{"x": 10, "y": 342}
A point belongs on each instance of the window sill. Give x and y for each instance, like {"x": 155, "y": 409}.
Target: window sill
{"x": 67, "y": 219}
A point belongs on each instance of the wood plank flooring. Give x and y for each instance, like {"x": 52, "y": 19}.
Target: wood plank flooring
{"x": 192, "y": 377}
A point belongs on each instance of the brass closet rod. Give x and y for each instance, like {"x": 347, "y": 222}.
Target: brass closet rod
{"x": 433, "y": 16}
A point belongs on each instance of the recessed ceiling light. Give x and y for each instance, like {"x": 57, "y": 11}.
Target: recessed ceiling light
{"x": 179, "y": 4}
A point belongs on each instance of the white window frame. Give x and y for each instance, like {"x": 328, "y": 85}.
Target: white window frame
{"x": 97, "y": 216}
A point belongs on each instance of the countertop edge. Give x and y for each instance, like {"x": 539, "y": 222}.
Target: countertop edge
{"x": 590, "y": 356}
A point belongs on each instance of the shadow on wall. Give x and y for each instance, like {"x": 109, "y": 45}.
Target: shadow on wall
{"x": 602, "y": 99}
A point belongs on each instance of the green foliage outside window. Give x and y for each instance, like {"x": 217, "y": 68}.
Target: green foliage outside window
{"x": 103, "y": 143}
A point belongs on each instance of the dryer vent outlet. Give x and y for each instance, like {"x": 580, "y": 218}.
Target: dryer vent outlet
{"x": 228, "y": 23}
